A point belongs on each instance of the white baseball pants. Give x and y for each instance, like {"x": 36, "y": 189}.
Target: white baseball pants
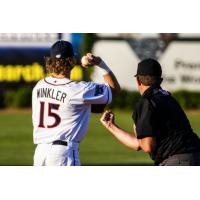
{"x": 57, "y": 155}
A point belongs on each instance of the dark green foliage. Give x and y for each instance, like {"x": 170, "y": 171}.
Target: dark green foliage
{"x": 21, "y": 98}
{"x": 126, "y": 100}
{"x": 87, "y": 44}
{"x": 188, "y": 99}
{"x": 9, "y": 98}
{"x": 86, "y": 47}
{"x": 2, "y": 103}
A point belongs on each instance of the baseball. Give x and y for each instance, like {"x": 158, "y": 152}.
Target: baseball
{"x": 84, "y": 61}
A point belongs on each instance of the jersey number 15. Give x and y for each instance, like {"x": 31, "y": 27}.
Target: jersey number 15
{"x": 51, "y": 107}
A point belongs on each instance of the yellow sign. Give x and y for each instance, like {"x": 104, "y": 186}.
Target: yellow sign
{"x": 76, "y": 73}
{"x": 31, "y": 73}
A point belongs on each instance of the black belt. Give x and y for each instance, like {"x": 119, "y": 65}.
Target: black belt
{"x": 60, "y": 142}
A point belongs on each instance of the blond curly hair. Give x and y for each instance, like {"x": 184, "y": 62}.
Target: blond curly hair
{"x": 58, "y": 65}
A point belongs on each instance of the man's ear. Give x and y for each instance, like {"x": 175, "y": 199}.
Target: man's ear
{"x": 138, "y": 81}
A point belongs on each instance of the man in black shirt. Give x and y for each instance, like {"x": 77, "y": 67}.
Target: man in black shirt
{"x": 161, "y": 127}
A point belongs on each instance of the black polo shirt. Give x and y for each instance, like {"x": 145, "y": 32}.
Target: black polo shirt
{"x": 158, "y": 114}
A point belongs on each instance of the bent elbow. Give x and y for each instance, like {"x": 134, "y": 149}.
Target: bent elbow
{"x": 148, "y": 149}
{"x": 147, "y": 144}
{"x": 135, "y": 146}
{"x": 138, "y": 149}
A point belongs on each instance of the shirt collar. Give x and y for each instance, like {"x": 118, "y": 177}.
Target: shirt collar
{"x": 150, "y": 90}
{"x": 57, "y": 81}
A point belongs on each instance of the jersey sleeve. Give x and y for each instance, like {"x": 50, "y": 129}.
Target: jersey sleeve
{"x": 145, "y": 120}
{"x": 93, "y": 93}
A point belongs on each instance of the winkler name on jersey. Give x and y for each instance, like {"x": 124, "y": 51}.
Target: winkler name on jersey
{"x": 52, "y": 94}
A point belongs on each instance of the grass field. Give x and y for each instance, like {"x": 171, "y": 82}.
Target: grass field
{"x": 98, "y": 148}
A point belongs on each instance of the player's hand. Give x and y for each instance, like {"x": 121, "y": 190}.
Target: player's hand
{"x": 107, "y": 118}
{"x": 90, "y": 60}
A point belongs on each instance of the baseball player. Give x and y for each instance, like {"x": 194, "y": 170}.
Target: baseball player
{"x": 161, "y": 126}
{"x": 61, "y": 107}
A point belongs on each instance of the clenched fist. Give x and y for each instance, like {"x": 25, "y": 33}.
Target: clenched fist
{"x": 107, "y": 118}
{"x": 89, "y": 60}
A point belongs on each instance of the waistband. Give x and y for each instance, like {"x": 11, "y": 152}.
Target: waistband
{"x": 60, "y": 142}
{"x": 69, "y": 144}
{"x": 192, "y": 155}
{"x": 183, "y": 155}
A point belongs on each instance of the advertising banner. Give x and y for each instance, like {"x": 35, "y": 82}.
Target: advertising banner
{"x": 181, "y": 65}
{"x": 22, "y": 58}
{"x": 180, "y": 62}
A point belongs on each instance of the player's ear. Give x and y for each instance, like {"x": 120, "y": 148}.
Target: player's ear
{"x": 138, "y": 81}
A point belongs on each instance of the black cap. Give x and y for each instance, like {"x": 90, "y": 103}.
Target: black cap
{"x": 149, "y": 67}
{"x": 61, "y": 49}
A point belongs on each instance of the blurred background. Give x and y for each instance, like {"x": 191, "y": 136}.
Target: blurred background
{"x": 22, "y": 65}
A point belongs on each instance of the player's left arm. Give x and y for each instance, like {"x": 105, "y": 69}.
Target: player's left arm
{"x": 90, "y": 60}
{"x": 102, "y": 94}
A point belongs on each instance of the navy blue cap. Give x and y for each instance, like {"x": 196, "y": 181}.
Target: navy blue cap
{"x": 62, "y": 49}
{"x": 149, "y": 67}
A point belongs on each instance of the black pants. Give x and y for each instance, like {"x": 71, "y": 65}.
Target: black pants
{"x": 186, "y": 159}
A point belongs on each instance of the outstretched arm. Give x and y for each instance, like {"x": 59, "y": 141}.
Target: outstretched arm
{"x": 147, "y": 144}
{"x": 124, "y": 137}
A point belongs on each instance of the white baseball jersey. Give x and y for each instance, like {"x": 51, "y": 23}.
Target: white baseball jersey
{"x": 61, "y": 108}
